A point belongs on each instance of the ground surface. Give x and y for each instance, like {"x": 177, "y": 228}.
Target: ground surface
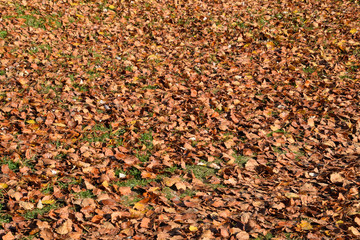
{"x": 187, "y": 120}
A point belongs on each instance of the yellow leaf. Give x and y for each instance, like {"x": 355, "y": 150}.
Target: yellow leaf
{"x": 270, "y": 45}
{"x": 153, "y": 189}
{"x": 139, "y": 206}
{"x": 59, "y": 124}
{"x": 136, "y": 214}
{"x": 339, "y": 222}
{"x": 135, "y": 79}
{"x": 353, "y": 31}
{"x": 31, "y": 121}
{"x": 3, "y": 185}
{"x": 153, "y": 57}
{"x": 112, "y": 7}
{"x": 105, "y": 184}
{"x": 291, "y": 195}
{"x": 304, "y": 225}
{"x": 171, "y": 181}
{"x": 193, "y": 228}
{"x": 80, "y": 16}
{"x": 48, "y": 202}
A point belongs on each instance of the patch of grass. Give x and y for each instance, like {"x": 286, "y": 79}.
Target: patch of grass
{"x": 169, "y": 193}
{"x": 143, "y": 157}
{"x": 136, "y": 173}
{"x": 289, "y": 236}
{"x": 34, "y": 21}
{"x": 5, "y": 218}
{"x": 150, "y": 87}
{"x": 309, "y": 70}
{"x": 65, "y": 183}
{"x": 136, "y": 179}
{"x": 171, "y": 169}
{"x": 84, "y": 194}
{"x": 46, "y": 88}
{"x": 147, "y": 139}
{"x": 299, "y": 154}
{"x": 2, "y": 72}
{"x": 133, "y": 182}
{"x": 3, "y": 34}
{"x": 102, "y": 133}
{"x": 14, "y": 166}
{"x": 216, "y": 186}
{"x": 129, "y": 200}
{"x": 278, "y": 150}
{"x": 118, "y": 171}
{"x": 81, "y": 88}
{"x": 240, "y": 160}
{"x": 268, "y": 236}
{"x": 346, "y": 77}
{"x": 60, "y": 156}
{"x": 277, "y": 131}
{"x": 187, "y": 192}
{"x": 201, "y": 172}
{"x": 29, "y": 163}
{"x": 39, "y": 212}
{"x": 48, "y": 189}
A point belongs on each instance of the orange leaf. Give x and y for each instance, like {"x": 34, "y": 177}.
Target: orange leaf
{"x": 8, "y": 236}
{"x": 148, "y": 175}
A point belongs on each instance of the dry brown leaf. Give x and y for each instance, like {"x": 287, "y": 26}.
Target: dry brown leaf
{"x": 171, "y": 181}
{"x": 336, "y": 178}
{"x": 65, "y": 228}
{"x": 26, "y": 205}
{"x": 8, "y": 236}
{"x": 354, "y": 231}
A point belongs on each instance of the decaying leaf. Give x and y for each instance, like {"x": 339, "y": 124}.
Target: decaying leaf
{"x": 26, "y": 205}
{"x": 304, "y": 225}
{"x": 336, "y": 178}
{"x": 65, "y": 228}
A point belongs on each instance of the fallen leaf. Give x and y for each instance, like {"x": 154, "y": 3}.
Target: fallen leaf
{"x": 49, "y": 202}
{"x": 357, "y": 220}
{"x": 242, "y": 235}
{"x": 181, "y": 186}
{"x": 148, "y": 175}
{"x": 139, "y": 206}
{"x": 304, "y": 225}
{"x": 353, "y": 31}
{"x": 59, "y": 124}
{"x": 65, "y": 228}
{"x": 354, "y": 231}
{"x": 145, "y": 222}
{"x": 336, "y": 178}
{"x": 26, "y": 205}
{"x": 8, "y": 236}
{"x": 291, "y": 195}
{"x": 193, "y": 228}
{"x": 171, "y": 181}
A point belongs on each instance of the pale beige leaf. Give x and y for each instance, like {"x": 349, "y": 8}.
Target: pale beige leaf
{"x": 65, "y": 228}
